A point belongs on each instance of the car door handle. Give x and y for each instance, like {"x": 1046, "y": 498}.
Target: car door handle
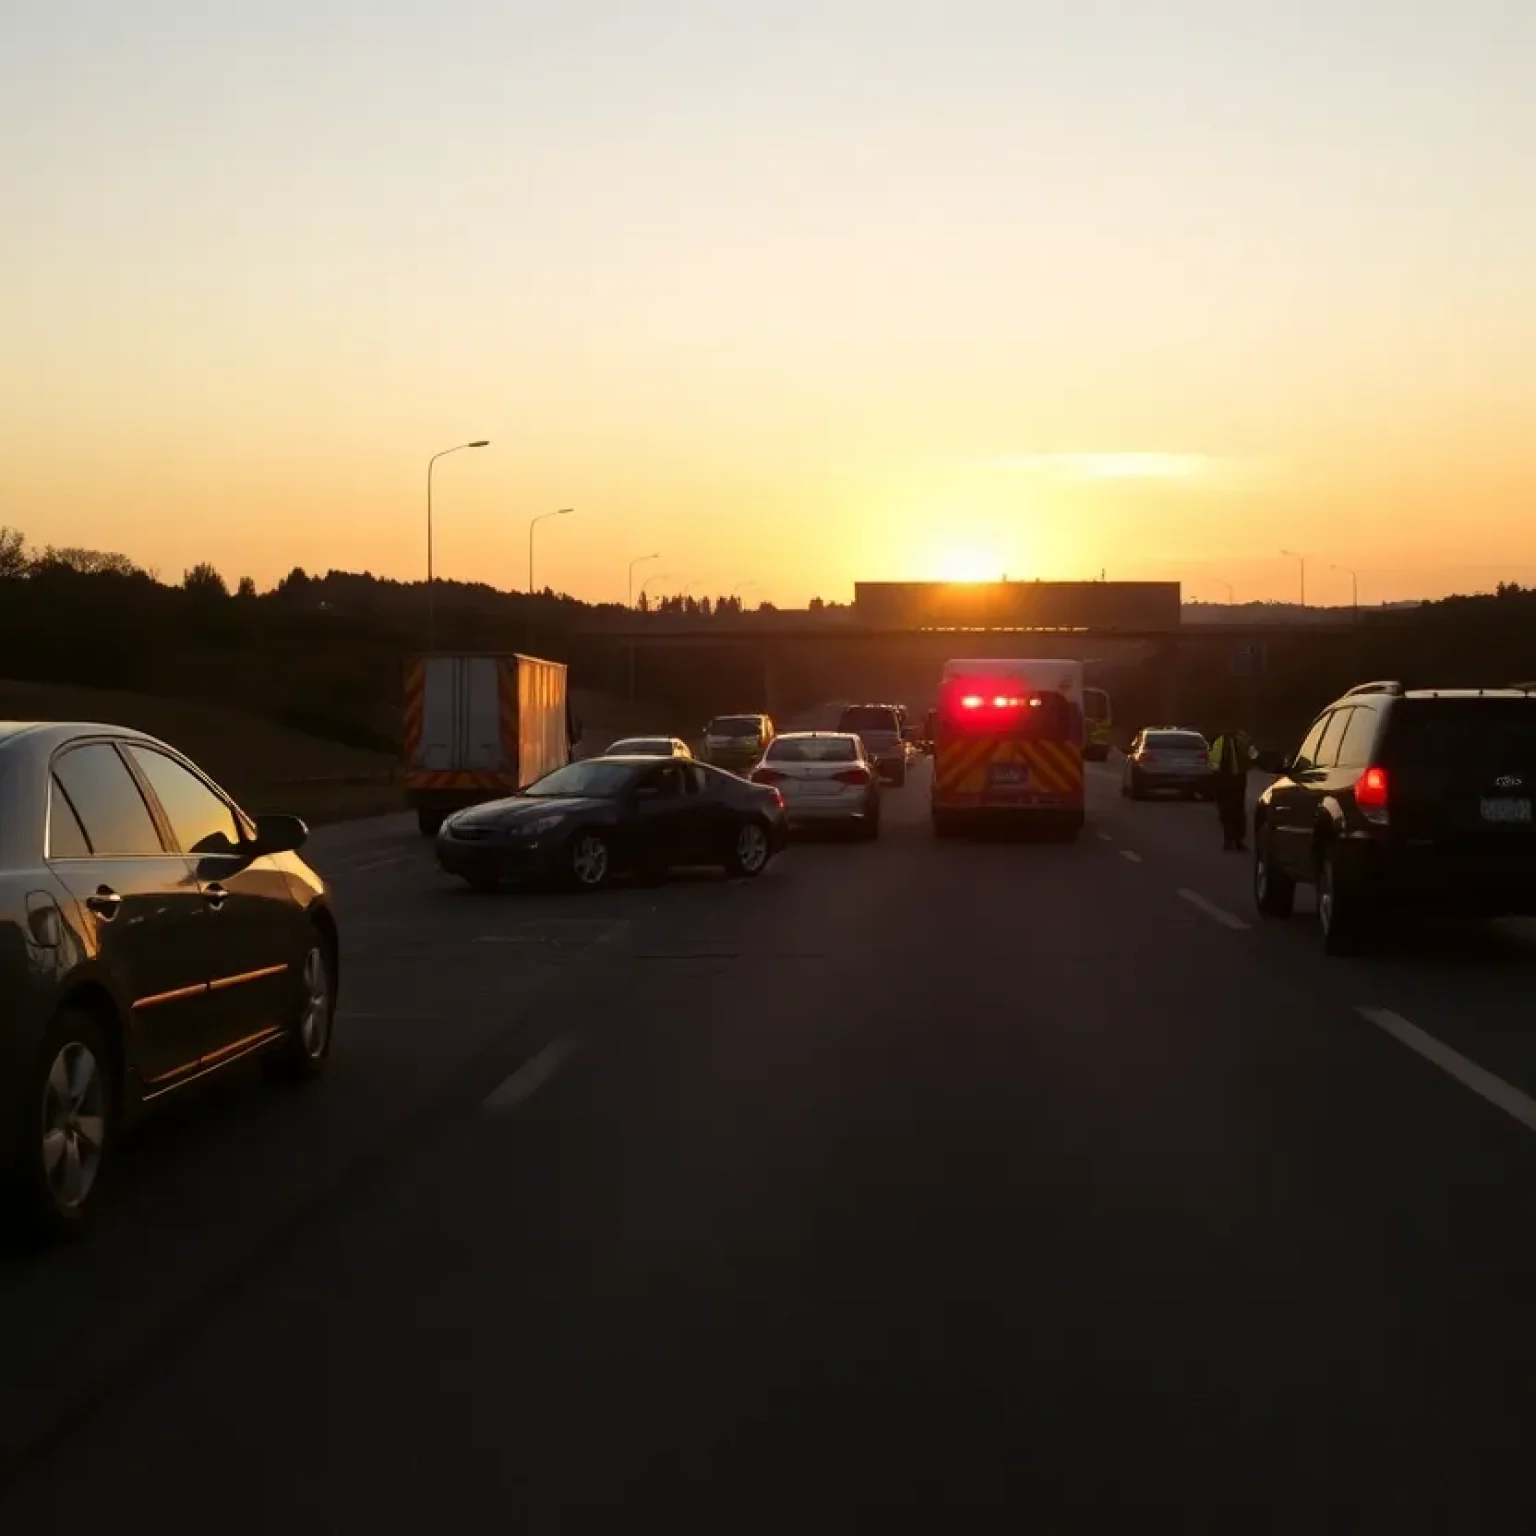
{"x": 104, "y": 901}
{"x": 215, "y": 895}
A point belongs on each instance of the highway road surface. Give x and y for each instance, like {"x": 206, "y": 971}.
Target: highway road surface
{"x": 961, "y": 1178}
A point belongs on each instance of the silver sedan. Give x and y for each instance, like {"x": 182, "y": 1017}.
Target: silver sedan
{"x": 826, "y": 779}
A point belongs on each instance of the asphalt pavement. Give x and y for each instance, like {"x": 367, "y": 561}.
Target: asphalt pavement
{"x": 999, "y": 1180}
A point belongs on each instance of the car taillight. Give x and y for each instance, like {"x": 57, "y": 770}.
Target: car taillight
{"x": 852, "y": 776}
{"x": 766, "y": 776}
{"x": 1371, "y": 794}
{"x": 1202, "y": 757}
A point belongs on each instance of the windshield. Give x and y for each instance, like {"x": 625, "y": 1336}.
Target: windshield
{"x": 814, "y": 749}
{"x": 736, "y": 725}
{"x": 1175, "y": 741}
{"x": 596, "y": 779}
{"x": 649, "y": 746}
{"x": 868, "y": 717}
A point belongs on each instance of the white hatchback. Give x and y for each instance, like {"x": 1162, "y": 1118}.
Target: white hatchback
{"x": 825, "y": 777}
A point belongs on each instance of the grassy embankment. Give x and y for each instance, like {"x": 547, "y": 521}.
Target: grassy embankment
{"x": 269, "y": 767}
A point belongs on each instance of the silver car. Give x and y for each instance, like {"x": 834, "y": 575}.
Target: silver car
{"x": 826, "y": 779}
{"x": 649, "y": 746}
{"x": 1170, "y": 759}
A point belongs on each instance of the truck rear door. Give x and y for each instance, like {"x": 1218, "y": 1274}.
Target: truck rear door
{"x": 461, "y": 715}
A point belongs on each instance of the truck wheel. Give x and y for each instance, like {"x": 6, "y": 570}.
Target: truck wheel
{"x": 428, "y": 822}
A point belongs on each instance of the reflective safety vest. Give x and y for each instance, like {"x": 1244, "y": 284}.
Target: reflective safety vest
{"x": 1237, "y": 761}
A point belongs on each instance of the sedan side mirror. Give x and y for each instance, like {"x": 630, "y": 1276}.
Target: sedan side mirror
{"x": 280, "y": 834}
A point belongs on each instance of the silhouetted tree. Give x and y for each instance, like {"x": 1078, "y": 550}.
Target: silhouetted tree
{"x": 815, "y": 605}
{"x": 644, "y": 605}
{"x": 14, "y": 561}
{"x": 85, "y": 562}
{"x": 246, "y": 588}
{"x": 704, "y": 606}
{"x": 203, "y": 580}
{"x": 766, "y": 607}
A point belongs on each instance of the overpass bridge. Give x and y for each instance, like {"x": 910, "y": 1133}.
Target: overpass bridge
{"x": 797, "y": 661}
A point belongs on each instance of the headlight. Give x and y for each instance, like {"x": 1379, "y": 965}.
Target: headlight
{"x": 540, "y": 825}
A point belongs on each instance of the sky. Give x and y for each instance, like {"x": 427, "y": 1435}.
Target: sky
{"x": 790, "y": 295}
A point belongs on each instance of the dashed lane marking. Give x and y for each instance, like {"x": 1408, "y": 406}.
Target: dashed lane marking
{"x": 1131, "y": 854}
{"x": 1104, "y": 837}
{"x": 358, "y": 869}
{"x": 1480, "y": 1080}
{"x": 1212, "y": 911}
{"x": 533, "y": 1074}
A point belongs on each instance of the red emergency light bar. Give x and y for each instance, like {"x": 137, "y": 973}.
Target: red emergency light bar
{"x": 976, "y": 701}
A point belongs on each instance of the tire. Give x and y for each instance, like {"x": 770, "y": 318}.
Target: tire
{"x": 59, "y": 1165}
{"x": 1274, "y": 892}
{"x": 869, "y": 828}
{"x": 1069, "y": 829}
{"x": 750, "y": 851}
{"x": 899, "y": 777}
{"x": 428, "y": 822}
{"x": 1137, "y": 792}
{"x": 588, "y": 860}
{"x": 312, "y": 1024}
{"x": 1341, "y": 912}
{"x": 944, "y": 825}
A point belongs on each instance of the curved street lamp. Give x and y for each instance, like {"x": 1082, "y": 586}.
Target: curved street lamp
{"x": 480, "y": 442}
{"x": 562, "y": 512}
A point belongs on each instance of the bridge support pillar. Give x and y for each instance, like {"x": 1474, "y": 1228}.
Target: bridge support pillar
{"x": 1170, "y": 689}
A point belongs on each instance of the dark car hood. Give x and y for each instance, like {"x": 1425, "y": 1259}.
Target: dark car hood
{"x": 516, "y": 808}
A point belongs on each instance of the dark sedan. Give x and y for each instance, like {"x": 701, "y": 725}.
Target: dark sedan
{"x": 151, "y": 934}
{"x": 589, "y": 821}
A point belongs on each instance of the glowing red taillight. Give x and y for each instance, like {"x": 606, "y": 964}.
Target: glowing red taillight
{"x": 972, "y": 701}
{"x": 766, "y": 776}
{"x": 1371, "y": 793}
{"x": 852, "y": 776}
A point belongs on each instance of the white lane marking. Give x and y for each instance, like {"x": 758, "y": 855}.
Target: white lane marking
{"x": 1212, "y": 911}
{"x": 533, "y": 1074}
{"x": 1131, "y": 854}
{"x": 358, "y": 869}
{"x": 1480, "y": 1080}
{"x": 1104, "y": 837}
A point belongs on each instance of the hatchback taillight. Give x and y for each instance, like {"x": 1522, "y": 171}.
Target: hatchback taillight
{"x": 852, "y": 776}
{"x": 1371, "y": 794}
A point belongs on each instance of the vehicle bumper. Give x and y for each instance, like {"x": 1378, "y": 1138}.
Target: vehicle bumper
{"x": 1202, "y": 782}
{"x": 499, "y": 858}
{"x": 823, "y": 810}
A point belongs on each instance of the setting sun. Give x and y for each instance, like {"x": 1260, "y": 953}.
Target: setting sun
{"x": 968, "y": 564}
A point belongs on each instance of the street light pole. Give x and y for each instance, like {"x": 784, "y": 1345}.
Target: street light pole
{"x": 1301, "y": 560}
{"x": 1231, "y": 591}
{"x": 1354, "y": 586}
{"x": 563, "y": 512}
{"x": 638, "y": 560}
{"x": 482, "y": 442}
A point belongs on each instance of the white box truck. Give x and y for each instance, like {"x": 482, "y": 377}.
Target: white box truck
{"x": 481, "y": 726}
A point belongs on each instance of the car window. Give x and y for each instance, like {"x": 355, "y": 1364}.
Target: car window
{"x": 200, "y": 820}
{"x": 1176, "y": 741}
{"x": 1306, "y": 753}
{"x": 668, "y": 778}
{"x": 868, "y": 717}
{"x": 815, "y": 749}
{"x": 112, "y": 812}
{"x": 695, "y": 780}
{"x": 1358, "y": 739}
{"x": 1333, "y": 735}
{"x": 66, "y": 837}
{"x": 736, "y": 725}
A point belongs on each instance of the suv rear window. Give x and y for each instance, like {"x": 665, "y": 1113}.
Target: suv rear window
{"x": 736, "y": 725}
{"x": 1175, "y": 741}
{"x": 1476, "y": 736}
{"x": 869, "y": 717}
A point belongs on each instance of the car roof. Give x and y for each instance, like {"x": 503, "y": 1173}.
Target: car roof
{"x": 48, "y": 734}
{"x": 1461, "y": 693}
{"x": 804, "y": 735}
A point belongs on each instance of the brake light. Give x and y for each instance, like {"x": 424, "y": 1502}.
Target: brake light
{"x": 766, "y": 776}
{"x": 852, "y": 776}
{"x": 1371, "y": 794}
{"x": 972, "y": 701}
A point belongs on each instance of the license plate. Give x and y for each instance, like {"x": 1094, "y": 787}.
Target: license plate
{"x": 1008, "y": 775}
{"x": 1502, "y": 808}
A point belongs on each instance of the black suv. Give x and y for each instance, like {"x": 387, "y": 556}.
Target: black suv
{"x": 1407, "y": 798}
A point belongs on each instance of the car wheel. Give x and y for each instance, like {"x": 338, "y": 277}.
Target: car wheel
{"x": 59, "y": 1164}
{"x": 589, "y": 861}
{"x": 483, "y": 884}
{"x": 1138, "y": 791}
{"x": 869, "y": 827}
{"x": 1274, "y": 892}
{"x": 1340, "y": 912}
{"x": 312, "y": 1014}
{"x": 750, "y": 852}
{"x": 428, "y": 823}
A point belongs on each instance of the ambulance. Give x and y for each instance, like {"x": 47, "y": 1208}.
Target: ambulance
{"x": 1009, "y": 735}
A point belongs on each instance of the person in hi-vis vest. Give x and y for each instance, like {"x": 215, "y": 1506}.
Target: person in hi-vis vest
{"x": 1231, "y": 756}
